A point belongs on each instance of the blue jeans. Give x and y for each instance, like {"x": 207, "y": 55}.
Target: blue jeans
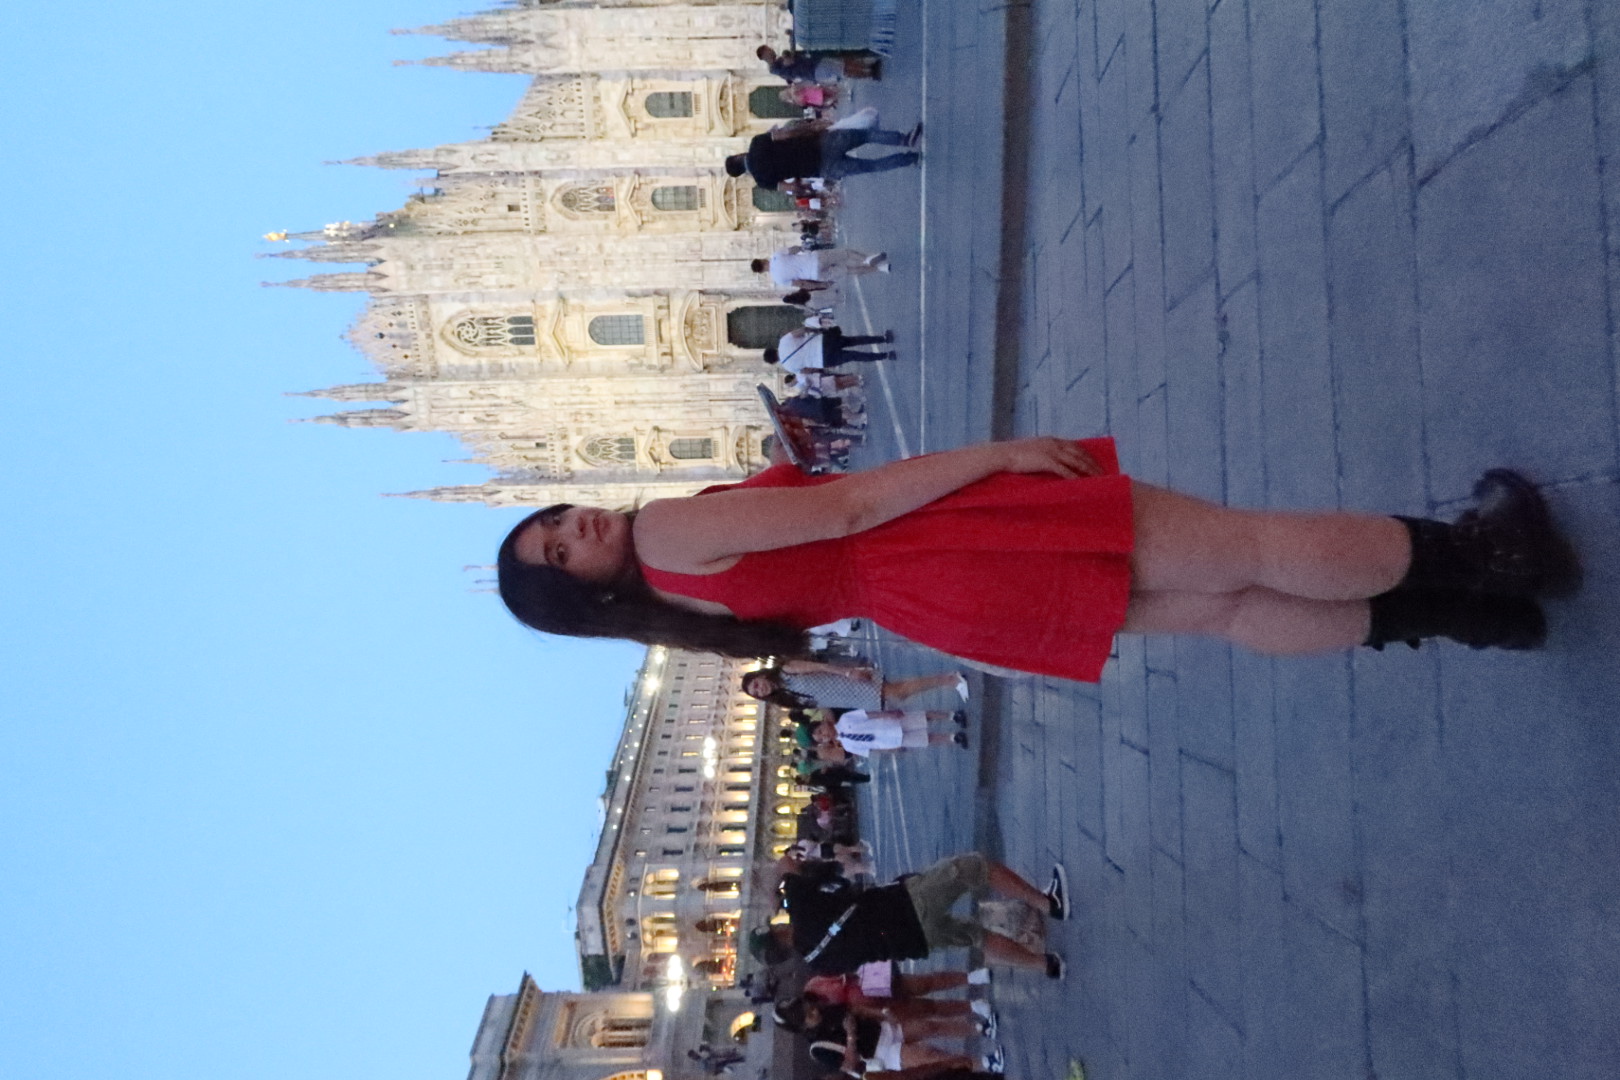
{"x": 837, "y": 160}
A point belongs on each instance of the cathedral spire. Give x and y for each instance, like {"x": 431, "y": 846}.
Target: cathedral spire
{"x": 372, "y": 391}
{"x": 358, "y": 418}
{"x": 499, "y": 61}
{"x": 356, "y": 281}
{"x": 489, "y": 28}
{"x": 329, "y": 253}
{"x": 436, "y": 157}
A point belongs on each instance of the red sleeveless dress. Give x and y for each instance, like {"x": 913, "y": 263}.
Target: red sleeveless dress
{"x": 1021, "y": 571}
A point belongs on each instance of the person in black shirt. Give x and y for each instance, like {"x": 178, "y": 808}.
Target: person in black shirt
{"x": 812, "y": 148}
{"x": 798, "y": 65}
{"x": 836, "y": 926}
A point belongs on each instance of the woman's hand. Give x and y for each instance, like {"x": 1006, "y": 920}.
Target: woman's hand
{"x": 1044, "y": 453}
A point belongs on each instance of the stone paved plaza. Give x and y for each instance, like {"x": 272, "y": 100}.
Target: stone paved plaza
{"x": 1290, "y": 254}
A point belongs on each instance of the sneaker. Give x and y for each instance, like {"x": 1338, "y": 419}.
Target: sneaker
{"x": 961, "y": 688}
{"x": 960, "y": 739}
{"x": 989, "y": 1023}
{"x": 891, "y": 355}
{"x": 979, "y": 977}
{"x": 995, "y": 1061}
{"x": 1055, "y": 967}
{"x": 888, "y": 337}
{"x": 915, "y": 135}
{"x": 960, "y": 716}
{"x": 1057, "y": 893}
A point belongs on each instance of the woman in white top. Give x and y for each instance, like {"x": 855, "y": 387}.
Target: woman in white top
{"x": 818, "y": 268}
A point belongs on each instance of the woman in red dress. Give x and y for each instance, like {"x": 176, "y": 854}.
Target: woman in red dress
{"x": 1032, "y": 555}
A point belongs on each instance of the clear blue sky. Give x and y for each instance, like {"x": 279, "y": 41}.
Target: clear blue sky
{"x": 280, "y": 796}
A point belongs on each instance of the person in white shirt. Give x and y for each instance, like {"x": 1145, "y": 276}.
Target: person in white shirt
{"x": 818, "y": 268}
{"x": 824, "y": 347}
{"x": 868, "y": 731}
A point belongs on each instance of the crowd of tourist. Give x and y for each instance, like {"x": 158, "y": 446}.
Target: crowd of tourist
{"x": 831, "y": 950}
{"x": 824, "y": 413}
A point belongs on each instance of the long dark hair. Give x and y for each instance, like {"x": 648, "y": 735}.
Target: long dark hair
{"x": 547, "y": 599}
{"x": 779, "y": 694}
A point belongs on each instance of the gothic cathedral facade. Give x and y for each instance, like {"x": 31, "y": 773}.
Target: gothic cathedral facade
{"x": 571, "y": 297}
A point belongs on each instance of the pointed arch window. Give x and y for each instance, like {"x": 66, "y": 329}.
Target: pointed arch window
{"x": 669, "y": 104}
{"x": 618, "y": 330}
{"x": 691, "y": 449}
{"x": 494, "y": 331}
{"x": 593, "y": 199}
{"x": 676, "y": 198}
{"x": 610, "y": 450}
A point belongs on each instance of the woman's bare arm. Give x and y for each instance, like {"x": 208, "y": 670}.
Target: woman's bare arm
{"x": 859, "y": 672}
{"x": 690, "y": 535}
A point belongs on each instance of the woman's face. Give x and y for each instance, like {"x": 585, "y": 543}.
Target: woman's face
{"x": 586, "y": 542}
{"x": 758, "y": 686}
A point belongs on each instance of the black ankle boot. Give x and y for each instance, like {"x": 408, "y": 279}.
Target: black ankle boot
{"x": 1507, "y": 545}
{"x": 1478, "y": 620}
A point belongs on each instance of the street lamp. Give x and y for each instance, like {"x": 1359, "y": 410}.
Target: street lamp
{"x": 674, "y": 984}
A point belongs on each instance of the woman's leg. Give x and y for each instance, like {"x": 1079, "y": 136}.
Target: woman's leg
{"x": 906, "y": 1012}
{"x": 901, "y": 689}
{"x": 921, "y": 984}
{"x": 1186, "y": 545}
{"x": 939, "y": 1027}
{"x": 845, "y": 260}
{"x": 1260, "y": 619}
{"x": 925, "y": 1058}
